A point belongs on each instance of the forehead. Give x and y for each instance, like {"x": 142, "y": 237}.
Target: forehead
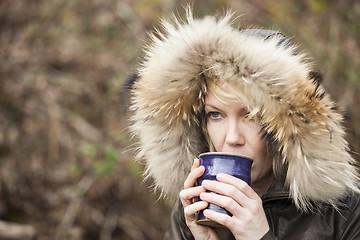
{"x": 223, "y": 103}
{"x": 220, "y": 92}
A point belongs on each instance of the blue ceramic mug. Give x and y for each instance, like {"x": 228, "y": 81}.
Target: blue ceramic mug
{"x": 220, "y": 162}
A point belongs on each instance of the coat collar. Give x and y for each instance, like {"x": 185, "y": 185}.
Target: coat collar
{"x": 277, "y": 190}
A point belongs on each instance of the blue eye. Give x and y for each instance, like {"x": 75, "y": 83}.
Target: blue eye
{"x": 214, "y": 115}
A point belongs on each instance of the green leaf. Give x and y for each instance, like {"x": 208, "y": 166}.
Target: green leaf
{"x": 88, "y": 150}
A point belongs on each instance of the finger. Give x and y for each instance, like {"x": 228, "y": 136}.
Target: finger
{"x": 250, "y": 204}
{"x": 192, "y": 210}
{"x": 223, "y": 201}
{"x": 187, "y": 195}
{"x": 196, "y": 164}
{"x": 193, "y": 175}
{"x": 226, "y": 190}
{"x": 220, "y": 218}
{"x": 238, "y": 183}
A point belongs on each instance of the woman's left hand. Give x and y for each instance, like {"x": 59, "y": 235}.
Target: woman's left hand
{"x": 249, "y": 219}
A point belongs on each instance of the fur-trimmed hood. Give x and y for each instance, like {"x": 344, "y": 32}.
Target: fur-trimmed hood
{"x": 275, "y": 84}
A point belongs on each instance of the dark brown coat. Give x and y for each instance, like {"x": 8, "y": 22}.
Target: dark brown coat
{"x": 287, "y": 222}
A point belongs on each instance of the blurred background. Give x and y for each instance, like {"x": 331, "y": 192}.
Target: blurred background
{"x": 66, "y": 169}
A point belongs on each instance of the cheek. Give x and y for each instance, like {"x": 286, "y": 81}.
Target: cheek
{"x": 261, "y": 148}
{"x": 258, "y": 144}
{"x": 215, "y": 136}
{"x": 260, "y": 151}
{"x": 263, "y": 156}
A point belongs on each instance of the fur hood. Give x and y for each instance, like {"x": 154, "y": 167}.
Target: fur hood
{"x": 275, "y": 84}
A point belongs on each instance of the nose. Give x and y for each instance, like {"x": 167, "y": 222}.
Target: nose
{"x": 235, "y": 133}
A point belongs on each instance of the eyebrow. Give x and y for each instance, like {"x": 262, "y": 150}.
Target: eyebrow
{"x": 209, "y": 105}
{"x": 212, "y": 106}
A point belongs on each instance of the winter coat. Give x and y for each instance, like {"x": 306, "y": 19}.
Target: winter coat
{"x": 275, "y": 83}
{"x": 287, "y": 222}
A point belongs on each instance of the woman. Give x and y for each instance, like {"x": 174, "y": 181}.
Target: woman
{"x": 204, "y": 85}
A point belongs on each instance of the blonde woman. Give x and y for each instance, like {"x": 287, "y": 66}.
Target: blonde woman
{"x": 206, "y": 86}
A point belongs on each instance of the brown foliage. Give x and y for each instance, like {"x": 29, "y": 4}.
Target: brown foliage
{"x": 64, "y": 168}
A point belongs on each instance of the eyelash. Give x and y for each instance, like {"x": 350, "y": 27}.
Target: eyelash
{"x": 210, "y": 115}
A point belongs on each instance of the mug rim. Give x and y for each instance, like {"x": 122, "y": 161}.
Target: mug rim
{"x": 224, "y": 154}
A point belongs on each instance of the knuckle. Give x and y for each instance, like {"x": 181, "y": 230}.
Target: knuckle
{"x": 242, "y": 186}
{"x": 227, "y": 221}
{"x": 229, "y": 203}
{"x": 183, "y": 194}
{"x": 186, "y": 184}
{"x": 187, "y": 211}
{"x": 255, "y": 207}
{"x": 230, "y": 190}
{"x": 259, "y": 202}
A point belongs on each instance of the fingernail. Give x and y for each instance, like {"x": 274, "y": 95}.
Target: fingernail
{"x": 205, "y": 182}
{"x": 205, "y": 212}
{"x": 220, "y": 175}
{"x": 205, "y": 204}
{"x": 201, "y": 196}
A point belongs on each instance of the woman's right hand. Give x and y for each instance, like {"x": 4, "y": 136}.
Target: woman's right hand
{"x": 189, "y": 197}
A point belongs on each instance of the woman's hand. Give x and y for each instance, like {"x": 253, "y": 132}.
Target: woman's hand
{"x": 249, "y": 219}
{"x": 188, "y": 198}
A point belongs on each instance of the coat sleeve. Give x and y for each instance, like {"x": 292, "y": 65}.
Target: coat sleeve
{"x": 269, "y": 236}
{"x": 178, "y": 229}
{"x": 351, "y": 226}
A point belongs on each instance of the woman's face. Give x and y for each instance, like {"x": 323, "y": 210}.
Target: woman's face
{"x": 231, "y": 131}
